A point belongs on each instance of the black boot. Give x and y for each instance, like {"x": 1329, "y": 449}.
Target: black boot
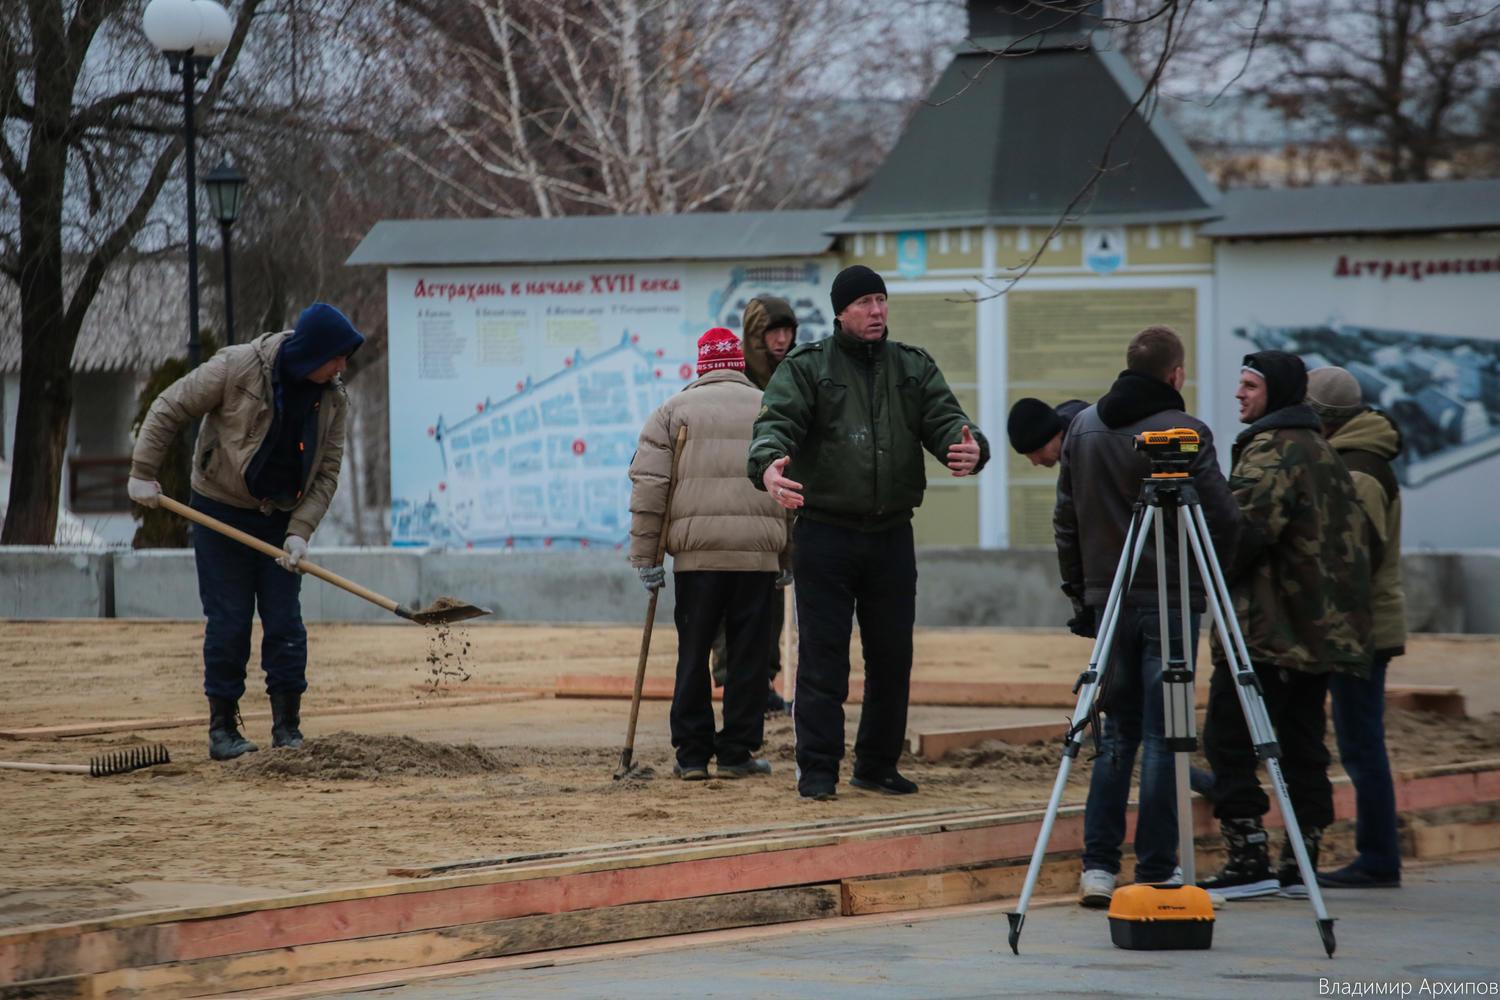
{"x": 1247, "y": 872}
{"x": 224, "y": 739}
{"x": 286, "y": 716}
{"x": 1287, "y": 872}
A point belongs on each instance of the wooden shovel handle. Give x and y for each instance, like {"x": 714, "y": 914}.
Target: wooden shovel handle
{"x": 661, "y": 550}
{"x": 303, "y": 565}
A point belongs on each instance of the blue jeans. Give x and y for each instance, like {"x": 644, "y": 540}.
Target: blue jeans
{"x": 1134, "y": 720}
{"x": 1359, "y": 727}
{"x": 233, "y": 580}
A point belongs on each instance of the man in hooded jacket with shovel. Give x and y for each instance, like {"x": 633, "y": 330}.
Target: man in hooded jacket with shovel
{"x": 266, "y": 462}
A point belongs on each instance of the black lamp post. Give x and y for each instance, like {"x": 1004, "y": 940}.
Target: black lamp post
{"x": 189, "y": 33}
{"x": 226, "y": 192}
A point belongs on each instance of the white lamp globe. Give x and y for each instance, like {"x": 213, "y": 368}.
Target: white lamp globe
{"x": 172, "y": 25}
{"x": 217, "y": 27}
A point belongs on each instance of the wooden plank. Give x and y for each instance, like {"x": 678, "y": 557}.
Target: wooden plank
{"x": 191, "y": 721}
{"x": 603, "y": 882}
{"x": 490, "y": 939}
{"x": 669, "y": 871}
{"x": 1457, "y": 838}
{"x": 992, "y": 693}
{"x": 1414, "y": 698}
{"x": 934, "y": 745}
{"x": 449, "y": 867}
{"x": 955, "y": 888}
{"x": 617, "y": 686}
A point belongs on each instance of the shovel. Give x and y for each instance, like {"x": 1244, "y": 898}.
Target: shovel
{"x": 443, "y": 611}
{"x": 626, "y": 768}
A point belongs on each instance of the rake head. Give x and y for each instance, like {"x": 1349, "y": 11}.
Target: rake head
{"x": 128, "y": 760}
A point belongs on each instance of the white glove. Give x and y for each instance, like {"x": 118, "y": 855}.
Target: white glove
{"x": 296, "y": 548}
{"x": 652, "y": 577}
{"x": 143, "y": 491}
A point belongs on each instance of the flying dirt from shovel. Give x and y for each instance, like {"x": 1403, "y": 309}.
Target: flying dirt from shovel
{"x": 447, "y": 647}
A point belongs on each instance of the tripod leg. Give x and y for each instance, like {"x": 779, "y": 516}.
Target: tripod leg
{"x": 1179, "y": 711}
{"x": 1254, "y": 707}
{"x": 1088, "y": 687}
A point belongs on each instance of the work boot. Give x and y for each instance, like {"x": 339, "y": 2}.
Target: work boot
{"x": 888, "y": 782}
{"x": 1247, "y": 872}
{"x": 224, "y": 739}
{"x": 1287, "y": 872}
{"x": 286, "y": 708}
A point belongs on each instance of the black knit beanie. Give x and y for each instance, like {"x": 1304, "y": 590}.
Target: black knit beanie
{"x": 1285, "y": 375}
{"x": 1032, "y": 424}
{"x": 854, "y": 282}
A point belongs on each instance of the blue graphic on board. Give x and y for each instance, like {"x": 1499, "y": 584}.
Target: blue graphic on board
{"x": 1443, "y": 391}
{"x": 517, "y": 396}
{"x": 801, "y": 284}
{"x": 1104, "y": 248}
{"x": 911, "y": 254}
{"x": 545, "y": 466}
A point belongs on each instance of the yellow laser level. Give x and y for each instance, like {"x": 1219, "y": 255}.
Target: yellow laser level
{"x": 1171, "y": 451}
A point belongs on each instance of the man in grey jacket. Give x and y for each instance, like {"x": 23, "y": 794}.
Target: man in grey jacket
{"x": 267, "y": 462}
{"x": 728, "y": 544}
{"x": 1097, "y": 486}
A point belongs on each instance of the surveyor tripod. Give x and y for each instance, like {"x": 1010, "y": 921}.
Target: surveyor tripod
{"x": 1169, "y": 488}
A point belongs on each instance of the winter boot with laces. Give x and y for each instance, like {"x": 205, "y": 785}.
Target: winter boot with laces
{"x": 286, "y": 717}
{"x": 1247, "y": 872}
{"x": 224, "y": 739}
{"x": 1287, "y": 872}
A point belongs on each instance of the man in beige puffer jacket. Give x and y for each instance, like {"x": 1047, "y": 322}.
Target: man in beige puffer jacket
{"x": 728, "y": 542}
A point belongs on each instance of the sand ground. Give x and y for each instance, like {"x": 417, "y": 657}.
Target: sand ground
{"x": 435, "y": 781}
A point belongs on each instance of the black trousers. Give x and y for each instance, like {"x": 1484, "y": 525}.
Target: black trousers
{"x": 741, "y": 602}
{"x": 234, "y": 582}
{"x": 1294, "y": 702}
{"x": 843, "y": 574}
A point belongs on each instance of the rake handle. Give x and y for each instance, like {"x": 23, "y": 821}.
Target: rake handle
{"x": 67, "y": 768}
{"x": 266, "y": 548}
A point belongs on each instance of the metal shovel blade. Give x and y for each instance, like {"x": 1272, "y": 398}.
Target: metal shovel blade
{"x": 443, "y": 611}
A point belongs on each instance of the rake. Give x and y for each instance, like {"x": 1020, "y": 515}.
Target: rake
{"x": 118, "y": 762}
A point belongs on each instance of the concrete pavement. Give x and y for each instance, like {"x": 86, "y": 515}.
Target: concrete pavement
{"x": 1439, "y": 935}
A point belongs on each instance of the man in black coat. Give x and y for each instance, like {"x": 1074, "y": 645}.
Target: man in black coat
{"x": 1097, "y": 487}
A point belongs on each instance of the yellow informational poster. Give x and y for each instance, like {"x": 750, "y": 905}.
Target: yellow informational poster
{"x": 1031, "y": 513}
{"x": 943, "y": 326}
{"x": 1071, "y": 344}
{"x": 1073, "y": 337}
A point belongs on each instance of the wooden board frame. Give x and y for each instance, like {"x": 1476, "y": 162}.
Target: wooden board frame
{"x": 110, "y": 955}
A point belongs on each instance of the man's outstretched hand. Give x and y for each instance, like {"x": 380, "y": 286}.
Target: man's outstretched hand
{"x": 783, "y": 490}
{"x": 963, "y": 457}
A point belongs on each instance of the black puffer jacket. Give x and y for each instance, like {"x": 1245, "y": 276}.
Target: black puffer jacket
{"x": 1101, "y": 477}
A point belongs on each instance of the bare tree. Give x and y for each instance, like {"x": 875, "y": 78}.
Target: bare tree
{"x": 86, "y": 147}
{"x": 1392, "y": 90}
{"x": 570, "y": 107}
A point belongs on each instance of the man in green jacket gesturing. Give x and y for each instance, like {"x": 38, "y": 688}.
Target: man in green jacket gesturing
{"x": 839, "y": 440}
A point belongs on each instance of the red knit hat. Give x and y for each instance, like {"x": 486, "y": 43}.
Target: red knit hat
{"x": 718, "y": 348}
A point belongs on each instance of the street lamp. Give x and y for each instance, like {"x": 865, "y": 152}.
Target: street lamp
{"x": 226, "y": 190}
{"x": 189, "y": 33}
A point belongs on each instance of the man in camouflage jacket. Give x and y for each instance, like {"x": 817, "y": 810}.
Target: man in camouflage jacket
{"x": 1300, "y": 580}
